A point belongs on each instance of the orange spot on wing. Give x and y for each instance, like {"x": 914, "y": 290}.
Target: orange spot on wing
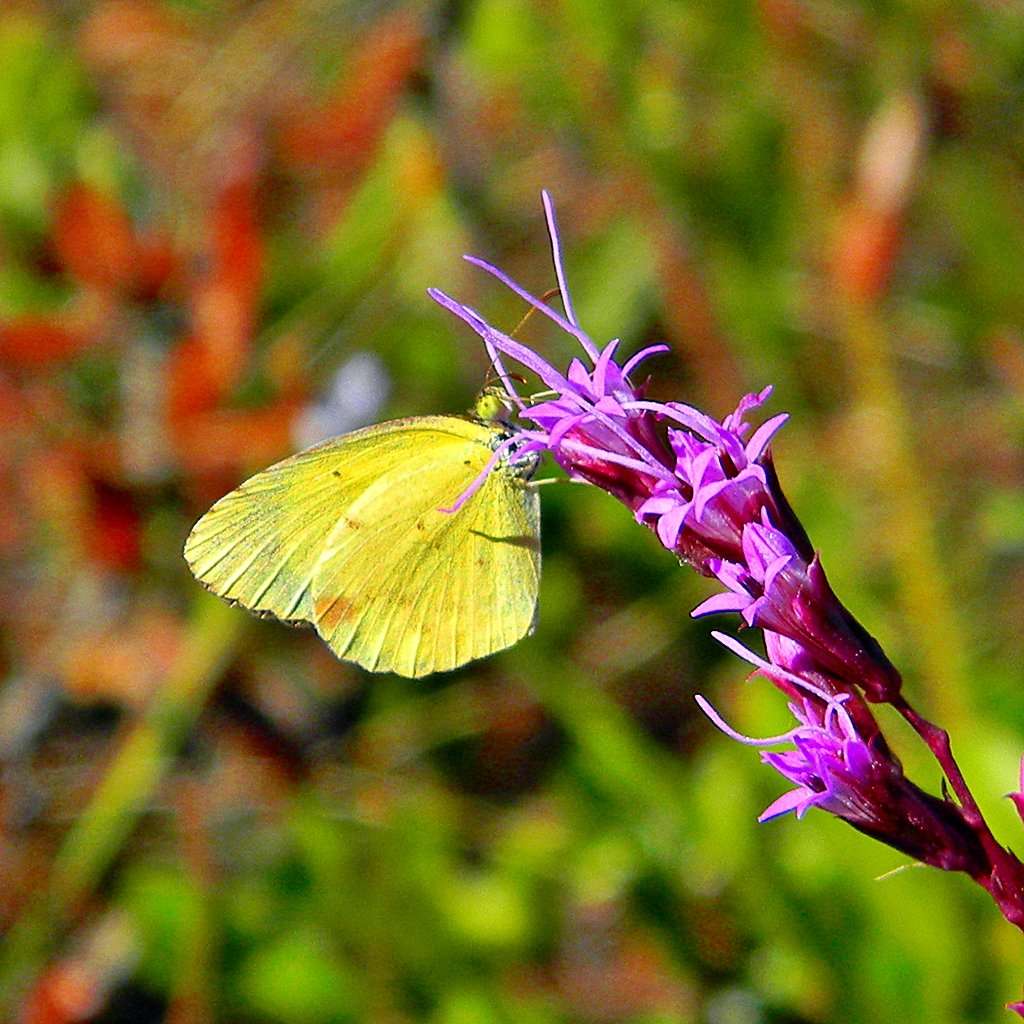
{"x": 331, "y": 612}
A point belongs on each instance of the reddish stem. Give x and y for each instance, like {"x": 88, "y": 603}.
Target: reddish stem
{"x": 1005, "y": 878}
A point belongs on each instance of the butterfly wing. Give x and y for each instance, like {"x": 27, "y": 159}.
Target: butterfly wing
{"x": 348, "y": 536}
{"x": 406, "y": 588}
{"x": 259, "y": 545}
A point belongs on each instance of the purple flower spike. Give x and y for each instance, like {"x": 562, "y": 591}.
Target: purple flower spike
{"x": 709, "y": 491}
{"x": 707, "y": 488}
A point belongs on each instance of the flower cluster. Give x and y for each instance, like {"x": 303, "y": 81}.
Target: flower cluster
{"x": 840, "y": 762}
{"x": 709, "y": 491}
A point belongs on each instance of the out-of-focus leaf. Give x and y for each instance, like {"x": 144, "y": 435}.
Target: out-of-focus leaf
{"x": 341, "y": 135}
{"x": 94, "y": 239}
{"x": 36, "y": 343}
{"x": 43, "y": 105}
{"x": 297, "y": 978}
{"x": 165, "y": 907}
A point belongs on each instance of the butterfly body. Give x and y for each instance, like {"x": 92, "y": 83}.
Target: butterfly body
{"x": 351, "y": 537}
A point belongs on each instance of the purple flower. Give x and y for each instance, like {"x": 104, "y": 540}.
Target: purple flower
{"x": 830, "y": 763}
{"x": 724, "y": 484}
{"x": 765, "y": 584}
{"x": 839, "y": 761}
{"x": 708, "y": 489}
{"x": 775, "y": 588}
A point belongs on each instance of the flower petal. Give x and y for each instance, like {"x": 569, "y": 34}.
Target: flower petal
{"x": 726, "y": 602}
{"x": 795, "y": 800}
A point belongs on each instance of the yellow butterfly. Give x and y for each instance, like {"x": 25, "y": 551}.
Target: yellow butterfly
{"x": 350, "y": 537}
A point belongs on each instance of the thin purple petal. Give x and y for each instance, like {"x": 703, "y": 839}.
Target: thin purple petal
{"x": 727, "y": 602}
{"x": 556, "y": 256}
{"x": 645, "y": 353}
{"x": 795, "y": 800}
{"x": 762, "y": 437}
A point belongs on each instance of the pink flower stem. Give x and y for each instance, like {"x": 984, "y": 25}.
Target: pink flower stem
{"x": 1005, "y": 879}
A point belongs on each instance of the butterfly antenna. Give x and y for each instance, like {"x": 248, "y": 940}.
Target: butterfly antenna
{"x": 549, "y": 294}
{"x": 497, "y": 367}
{"x": 492, "y": 375}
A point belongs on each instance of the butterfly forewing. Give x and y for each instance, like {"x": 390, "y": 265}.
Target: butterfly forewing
{"x": 259, "y": 545}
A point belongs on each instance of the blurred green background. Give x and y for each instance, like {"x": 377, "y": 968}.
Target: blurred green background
{"x": 217, "y": 225}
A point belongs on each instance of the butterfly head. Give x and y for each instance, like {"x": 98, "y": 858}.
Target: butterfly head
{"x": 492, "y": 405}
{"x": 493, "y": 408}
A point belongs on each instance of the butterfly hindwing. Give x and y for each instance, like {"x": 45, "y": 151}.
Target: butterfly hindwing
{"x": 259, "y": 545}
{"x": 457, "y": 586}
